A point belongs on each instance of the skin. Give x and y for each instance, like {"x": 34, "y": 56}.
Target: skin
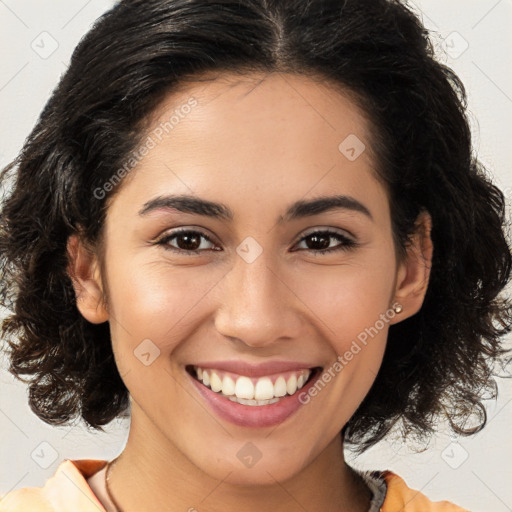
{"x": 256, "y": 144}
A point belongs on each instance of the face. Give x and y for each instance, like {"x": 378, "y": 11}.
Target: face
{"x": 265, "y": 285}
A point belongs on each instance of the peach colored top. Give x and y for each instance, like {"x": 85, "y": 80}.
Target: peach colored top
{"x": 68, "y": 490}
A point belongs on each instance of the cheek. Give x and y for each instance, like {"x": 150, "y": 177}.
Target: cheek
{"x": 156, "y": 302}
{"x": 347, "y": 299}
{"x": 351, "y": 307}
{"x": 153, "y": 310}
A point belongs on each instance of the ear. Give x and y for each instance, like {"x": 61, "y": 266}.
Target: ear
{"x": 414, "y": 271}
{"x": 83, "y": 269}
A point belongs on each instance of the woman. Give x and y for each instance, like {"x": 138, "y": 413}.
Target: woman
{"x": 255, "y": 226}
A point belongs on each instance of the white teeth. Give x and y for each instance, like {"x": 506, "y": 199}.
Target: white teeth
{"x": 291, "y": 385}
{"x": 243, "y": 401}
{"x": 264, "y": 389}
{"x": 215, "y": 382}
{"x": 228, "y": 386}
{"x": 280, "y": 387}
{"x": 245, "y": 392}
{"x": 244, "y": 388}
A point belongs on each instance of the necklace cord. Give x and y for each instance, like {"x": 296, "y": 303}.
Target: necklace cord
{"x": 109, "y": 493}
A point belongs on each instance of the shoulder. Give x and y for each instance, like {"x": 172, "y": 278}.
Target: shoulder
{"x": 67, "y": 489}
{"x": 401, "y": 498}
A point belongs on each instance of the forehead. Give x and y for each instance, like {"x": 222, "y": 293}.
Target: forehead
{"x": 261, "y": 103}
{"x": 256, "y": 136}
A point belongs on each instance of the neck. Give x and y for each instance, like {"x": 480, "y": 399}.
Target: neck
{"x": 153, "y": 474}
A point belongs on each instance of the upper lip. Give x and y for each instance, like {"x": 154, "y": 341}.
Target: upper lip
{"x": 255, "y": 370}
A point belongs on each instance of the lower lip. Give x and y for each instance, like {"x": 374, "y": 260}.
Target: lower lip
{"x": 256, "y": 416}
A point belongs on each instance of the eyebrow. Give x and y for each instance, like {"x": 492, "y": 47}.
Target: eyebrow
{"x": 298, "y": 210}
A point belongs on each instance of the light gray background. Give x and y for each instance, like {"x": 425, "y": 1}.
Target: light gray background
{"x": 473, "y": 37}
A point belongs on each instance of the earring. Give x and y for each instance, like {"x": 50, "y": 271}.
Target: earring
{"x": 397, "y": 308}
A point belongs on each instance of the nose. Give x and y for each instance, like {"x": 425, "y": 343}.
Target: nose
{"x": 256, "y": 305}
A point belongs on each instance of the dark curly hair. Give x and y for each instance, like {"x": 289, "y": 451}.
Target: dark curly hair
{"x": 441, "y": 362}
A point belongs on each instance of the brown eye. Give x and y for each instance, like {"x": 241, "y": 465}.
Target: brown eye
{"x": 320, "y": 242}
{"x": 185, "y": 241}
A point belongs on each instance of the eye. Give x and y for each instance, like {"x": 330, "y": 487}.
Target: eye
{"x": 319, "y": 242}
{"x": 186, "y": 240}
{"x": 191, "y": 241}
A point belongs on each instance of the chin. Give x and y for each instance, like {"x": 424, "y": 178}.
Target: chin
{"x": 261, "y": 474}
{"x": 252, "y": 466}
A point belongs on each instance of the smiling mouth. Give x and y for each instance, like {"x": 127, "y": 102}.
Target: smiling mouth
{"x": 252, "y": 391}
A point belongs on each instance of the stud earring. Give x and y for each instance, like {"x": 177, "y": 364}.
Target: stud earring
{"x": 397, "y": 308}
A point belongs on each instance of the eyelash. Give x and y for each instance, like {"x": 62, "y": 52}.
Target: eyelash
{"x": 346, "y": 244}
